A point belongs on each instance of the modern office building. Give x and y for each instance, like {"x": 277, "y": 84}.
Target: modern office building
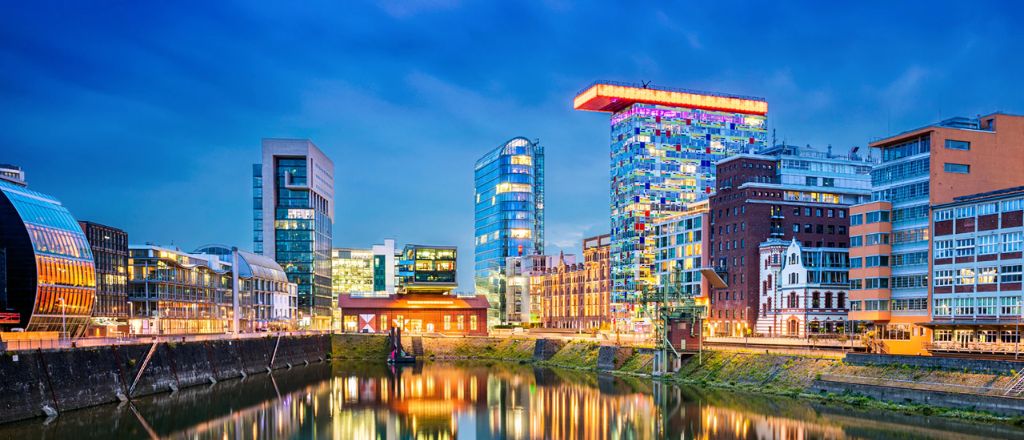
{"x": 47, "y": 273}
{"x": 578, "y": 296}
{"x": 523, "y": 302}
{"x": 424, "y": 302}
{"x": 267, "y": 300}
{"x": 920, "y": 168}
{"x": 293, "y": 216}
{"x": 780, "y": 192}
{"x": 109, "y": 247}
{"x": 351, "y": 270}
{"x": 664, "y": 145}
{"x": 804, "y": 290}
{"x": 174, "y": 292}
{"x": 976, "y": 265}
{"x": 509, "y": 216}
{"x": 385, "y": 267}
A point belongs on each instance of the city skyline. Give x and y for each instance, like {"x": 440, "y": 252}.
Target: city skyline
{"x": 190, "y": 139}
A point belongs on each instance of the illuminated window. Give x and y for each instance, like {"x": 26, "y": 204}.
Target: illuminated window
{"x": 519, "y": 233}
{"x": 505, "y": 187}
{"x": 522, "y": 160}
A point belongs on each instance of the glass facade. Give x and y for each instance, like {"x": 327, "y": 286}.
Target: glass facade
{"x": 427, "y": 269}
{"x": 50, "y": 278}
{"x": 173, "y": 292}
{"x": 509, "y": 216}
{"x": 663, "y": 158}
{"x": 293, "y": 217}
{"x": 110, "y": 253}
{"x": 352, "y": 271}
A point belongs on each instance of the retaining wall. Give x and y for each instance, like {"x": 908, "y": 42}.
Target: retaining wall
{"x": 998, "y": 405}
{"x": 945, "y": 363}
{"x": 80, "y": 377}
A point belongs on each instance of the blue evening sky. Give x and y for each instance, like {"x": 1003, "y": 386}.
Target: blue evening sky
{"x": 147, "y": 115}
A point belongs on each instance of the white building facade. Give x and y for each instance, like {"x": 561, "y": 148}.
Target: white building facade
{"x": 803, "y": 290}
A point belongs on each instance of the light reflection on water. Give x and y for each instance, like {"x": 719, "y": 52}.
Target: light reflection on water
{"x": 476, "y": 401}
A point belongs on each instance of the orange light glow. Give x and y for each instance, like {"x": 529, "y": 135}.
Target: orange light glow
{"x": 612, "y": 98}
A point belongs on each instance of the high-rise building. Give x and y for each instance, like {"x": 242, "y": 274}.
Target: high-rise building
{"x": 578, "y": 295}
{"x": 920, "y": 168}
{"x": 110, "y": 253}
{"x": 780, "y": 192}
{"x": 293, "y": 217}
{"x": 509, "y": 218}
{"x": 664, "y": 145}
{"x": 47, "y": 273}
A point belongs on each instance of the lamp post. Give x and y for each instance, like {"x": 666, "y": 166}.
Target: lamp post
{"x": 63, "y": 317}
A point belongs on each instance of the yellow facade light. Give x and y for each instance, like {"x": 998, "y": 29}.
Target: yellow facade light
{"x": 612, "y": 98}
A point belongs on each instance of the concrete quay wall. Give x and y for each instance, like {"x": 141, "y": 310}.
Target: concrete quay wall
{"x": 43, "y": 382}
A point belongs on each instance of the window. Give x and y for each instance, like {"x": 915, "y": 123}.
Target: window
{"x": 945, "y": 214}
{"x": 988, "y": 208}
{"x": 943, "y": 249}
{"x": 856, "y": 284}
{"x": 943, "y": 307}
{"x": 855, "y": 262}
{"x": 842, "y": 214}
{"x": 811, "y": 181}
{"x": 963, "y": 306}
{"x": 1010, "y": 274}
{"x": 964, "y": 212}
{"x": 831, "y": 213}
{"x": 988, "y": 244}
{"x": 965, "y": 277}
{"x": 1012, "y": 241}
{"x": 965, "y": 247}
{"x": 1011, "y": 205}
{"x": 828, "y": 181}
{"x": 856, "y": 219}
{"x": 856, "y": 240}
{"x": 1009, "y": 305}
{"x": 796, "y": 227}
{"x": 958, "y": 168}
{"x": 943, "y": 278}
{"x": 957, "y": 145}
{"x": 987, "y": 275}
{"x": 877, "y": 216}
{"x": 873, "y": 239}
{"x": 876, "y": 261}
{"x": 817, "y": 212}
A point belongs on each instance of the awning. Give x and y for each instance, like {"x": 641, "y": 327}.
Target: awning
{"x": 713, "y": 278}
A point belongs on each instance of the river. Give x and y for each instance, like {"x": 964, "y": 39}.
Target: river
{"x": 478, "y": 401}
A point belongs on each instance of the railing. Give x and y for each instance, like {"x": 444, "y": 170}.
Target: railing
{"x": 48, "y": 344}
{"x": 915, "y": 384}
{"x": 984, "y": 347}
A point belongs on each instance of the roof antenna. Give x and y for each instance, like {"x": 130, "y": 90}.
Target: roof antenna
{"x": 645, "y": 83}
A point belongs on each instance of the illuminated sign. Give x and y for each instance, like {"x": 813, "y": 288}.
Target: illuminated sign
{"x": 10, "y": 318}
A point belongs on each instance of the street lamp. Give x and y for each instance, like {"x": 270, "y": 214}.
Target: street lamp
{"x": 63, "y": 317}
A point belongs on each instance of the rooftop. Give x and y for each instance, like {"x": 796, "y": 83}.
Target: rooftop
{"x": 611, "y": 96}
{"x": 958, "y": 123}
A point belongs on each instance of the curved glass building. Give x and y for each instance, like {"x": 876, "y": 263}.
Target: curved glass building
{"x": 47, "y": 275}
{"x": 509, "y": 217}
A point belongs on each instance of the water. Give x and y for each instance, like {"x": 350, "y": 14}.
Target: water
{"x": 477, "y": 401}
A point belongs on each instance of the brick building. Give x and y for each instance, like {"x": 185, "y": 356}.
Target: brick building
{"x": 782, "y": 192}
{"x": 577, "y": 295}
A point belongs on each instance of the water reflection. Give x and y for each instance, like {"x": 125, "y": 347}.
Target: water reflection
{"x": 476, "y": 401}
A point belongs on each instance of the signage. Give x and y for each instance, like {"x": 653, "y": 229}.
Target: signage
{"x": 10, "y": 318}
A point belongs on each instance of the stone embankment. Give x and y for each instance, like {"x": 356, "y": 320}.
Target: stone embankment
{"x": 911, "y": 384}
{"x": 47, "y": 382}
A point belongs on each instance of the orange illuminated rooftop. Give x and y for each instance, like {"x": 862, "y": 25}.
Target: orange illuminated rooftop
{"x": 610, "y": 97}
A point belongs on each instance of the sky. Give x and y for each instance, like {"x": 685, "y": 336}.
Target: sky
{"x": 148, "y": 115}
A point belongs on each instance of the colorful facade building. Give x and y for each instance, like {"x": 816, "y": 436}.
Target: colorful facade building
{"x": 578, "y": 295}
{"x": 804, "y": 290}
{"x": 680, "y": 256}
{"x": 978, "y": 243}
{"x": 664, "y": 145}
{"x": 424, "y": 302}
{"x": 920, "y": 168}
{"x": 47, "y": 271}
{"x": 110, "y": 254}
{"x": 509, "y": 216}
{"x": 293, "y": 215}
{"x": 782, "y": 192}
{"x": 524, "y": 305}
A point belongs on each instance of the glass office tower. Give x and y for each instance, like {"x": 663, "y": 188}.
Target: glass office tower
{"x": 664, "y": 145}
{"x": 509, "y": 218}
{"x": 293, "y": 215}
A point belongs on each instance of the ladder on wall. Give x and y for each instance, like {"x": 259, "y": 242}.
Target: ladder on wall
{"x": 142, "y": 368}
{"x": 1016, "y": 385}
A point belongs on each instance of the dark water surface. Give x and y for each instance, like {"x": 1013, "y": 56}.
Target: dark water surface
{"x": 477, "y": 401}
